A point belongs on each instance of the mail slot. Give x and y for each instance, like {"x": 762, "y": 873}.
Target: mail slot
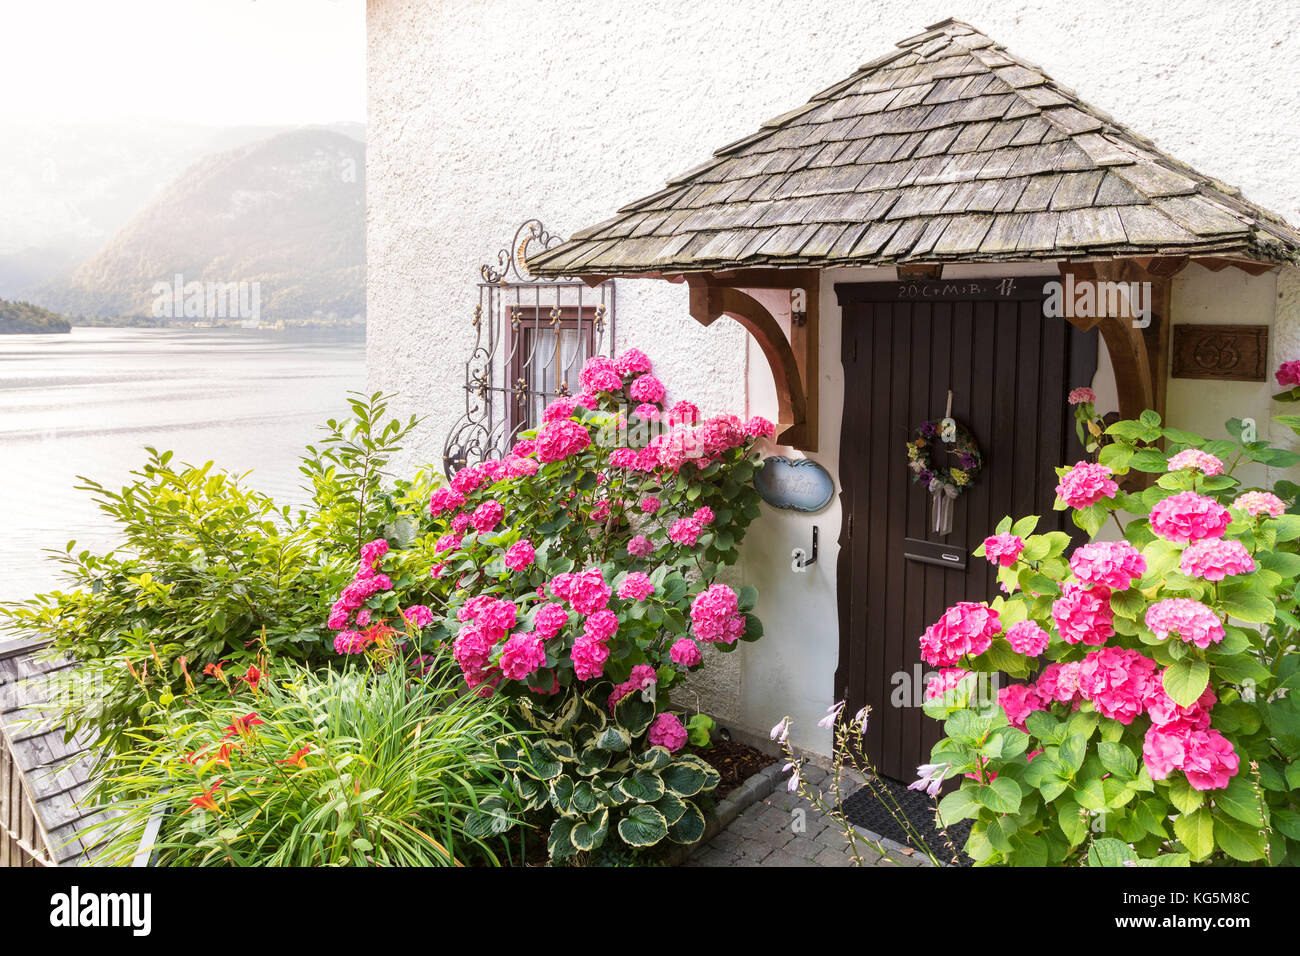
{"x": 935, "y": 552}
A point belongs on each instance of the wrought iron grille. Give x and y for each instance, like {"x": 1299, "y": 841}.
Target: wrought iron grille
{"x": 531, "y": 338}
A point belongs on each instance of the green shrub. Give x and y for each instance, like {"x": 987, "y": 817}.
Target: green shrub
{"x": 208, "y": 567}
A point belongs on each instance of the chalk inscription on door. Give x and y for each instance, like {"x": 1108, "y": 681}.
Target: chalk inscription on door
{"x": 1233, "y": 353}
{"x": 794, "y": 484}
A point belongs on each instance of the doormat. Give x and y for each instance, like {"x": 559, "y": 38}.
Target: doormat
{"x": 865, "y": 810}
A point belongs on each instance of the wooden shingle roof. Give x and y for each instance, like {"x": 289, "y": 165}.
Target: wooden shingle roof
{"x": 948, "y": 148}
{"x": 56, "y": 774}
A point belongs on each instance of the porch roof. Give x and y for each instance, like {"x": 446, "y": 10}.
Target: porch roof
{"x": 948, "y": 148}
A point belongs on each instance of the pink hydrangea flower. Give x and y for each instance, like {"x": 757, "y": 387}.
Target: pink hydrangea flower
{"x": 667, "y": 731}
{"x": 1018, "y": 701}
{"x": 560, "y": 409}
{"x": 646, "y": 388}
{"x": 758, "y": 427}
{"x": 1026, "y": 637}
{"x": 1086, "y": 484}
{"x": 373, "y": 551}
{"x": 632, "y": 362}
{"x": 1191, "y": 620}
{"x": 520, "y": 555}
{"x": 1162, "y": 710}
{"x": 1114, "y": 564}
{"x": 445, "y": 499}
{"x": 560, "y": 439}
{"x": 685, "y": 531}
{"x": 549, "y": 620}
{"x": 685, "y": 652}
{"x": 1288, "y": 373}
{"x": 587, "y": 592}
{"x": 942, "y": 684}
{"x": 1202, "y": 461}
{"x": 640, "y": 547}
{"x": 588, "y": 659}
{"x": 703, "y": 514}
{"x": 487, "y": 516}
{"x": 419, "y": 615}
{"x": 601, "y": 626}
{"x": 650, "y": 504}
{"x": 1059, "y": 683}
{"x": 1215, "y": 558}
{"x": 1206, "y": 757}
{"x": 448, "y": 542}
{"x": 1083, "y": 615}
{"x": 1187, "y": 516}
{"x": 715, "y": 615}
{"x": 338, "y": 618}
{"x": 1003, "y": 548}
{"x": 1080, "y": 395}
{"x": 642, "y": 676}
{"x": 1117, "y": 681}
{"x": 636, "y": 587}
{"x": 683, "y": 413}
{"x": 350, "y": 642}
{"x": 965, "y": 628}
{"x": 1256, "y": 503}
{"x": 599, "y": 374}
{"x": 521, "y": 655}
{"x": 646, "y": 412}
{"x": 460, "y": 523}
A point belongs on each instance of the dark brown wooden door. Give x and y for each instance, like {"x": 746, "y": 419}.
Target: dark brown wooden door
{"x": 1009, "y": 368}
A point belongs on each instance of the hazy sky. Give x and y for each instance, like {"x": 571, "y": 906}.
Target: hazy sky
{"x": 218, "y": 62}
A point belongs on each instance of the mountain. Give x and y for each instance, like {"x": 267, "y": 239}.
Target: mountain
{"x": 24, "y": 317}
{"x": 283, "y": 216}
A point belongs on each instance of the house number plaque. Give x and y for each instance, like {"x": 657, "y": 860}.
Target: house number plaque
{"x": 794, "y": 484}
{"x": 1232, "y": 353}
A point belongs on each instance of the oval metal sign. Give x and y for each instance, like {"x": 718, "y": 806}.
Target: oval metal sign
{"x": 794, "y": 484}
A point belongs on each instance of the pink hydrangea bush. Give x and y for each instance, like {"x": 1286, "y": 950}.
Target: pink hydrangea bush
{"x": 578, "y": 577}
{"x": 1148, "y": 706}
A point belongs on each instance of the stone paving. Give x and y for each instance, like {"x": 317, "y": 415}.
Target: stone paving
{"x": 771, "y": 832}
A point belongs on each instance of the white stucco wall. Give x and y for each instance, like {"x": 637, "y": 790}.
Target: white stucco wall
{"x": 486, "y": 112}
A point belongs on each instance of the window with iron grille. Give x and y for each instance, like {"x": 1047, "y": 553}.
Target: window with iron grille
{"x": 531, "y": 338}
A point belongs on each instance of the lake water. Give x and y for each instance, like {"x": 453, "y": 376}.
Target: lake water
{"x": 87, "y": 403}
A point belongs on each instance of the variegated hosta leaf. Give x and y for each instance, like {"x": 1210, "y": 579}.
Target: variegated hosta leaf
{"x": 541, "y": 762}
{"x": 672, "y": 807}
{"x": 689, "y": 828}
{"x": 592, "y": 761}
{"x": 533, "y": 793}
{"x": 656, "y": 758}
{"x": 589, "y": 833}
{"x": 560, "y": 842}
{"x": 507, "y": 752}
{"x": 688, "y": 776}
{"x": 643, "y": 786}
{"x": 614, "y": 739}
{"x": 585, "y": 797}
{"x": 491, "y": 817}
{"x": 560, "y": 749}
{"x": 643, "y": 826}
{"x": 561, "y": 794}
{"x": 634, "y": 714}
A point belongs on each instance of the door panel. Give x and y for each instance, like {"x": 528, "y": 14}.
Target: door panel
{"x": 1010, "y": 369}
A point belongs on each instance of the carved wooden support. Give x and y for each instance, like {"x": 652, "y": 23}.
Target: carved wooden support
{"x": 792, "y": 357}
{"x": 1139, "y": 354}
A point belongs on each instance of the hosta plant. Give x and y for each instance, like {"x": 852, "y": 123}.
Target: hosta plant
{"x": 593, "y": 770}
{"x": 1153, "y": 716}
{"x": 578, "y": 578}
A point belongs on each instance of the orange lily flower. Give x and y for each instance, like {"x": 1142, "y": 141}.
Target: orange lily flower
{"x": 206, "y": 801}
